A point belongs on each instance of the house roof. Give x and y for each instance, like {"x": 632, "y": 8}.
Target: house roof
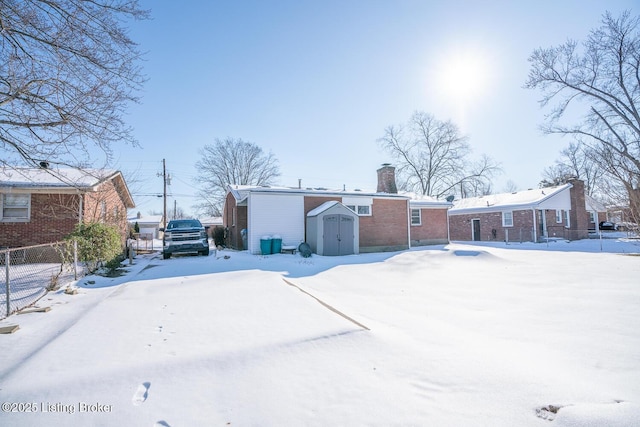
{"x": 149, "y": 219}
{"x": 593, "y": 205}
{"x": 59, "y": 180}
{"x": 422, "y": 201}
{"x": 211, "y": 220}
{"x": 527, "y": 199}
{"x": 241, "y": 192}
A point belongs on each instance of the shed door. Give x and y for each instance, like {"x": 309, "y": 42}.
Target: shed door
{"x": 338, "y": 237}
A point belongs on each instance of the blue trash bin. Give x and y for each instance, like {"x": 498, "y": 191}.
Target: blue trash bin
{"x": 265, "y": 245}
{"x": 276, "y": 244}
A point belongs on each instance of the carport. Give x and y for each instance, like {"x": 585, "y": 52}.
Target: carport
{"x": 333, "y": 229}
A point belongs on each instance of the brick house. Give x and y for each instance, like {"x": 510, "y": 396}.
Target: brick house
{"x": 42, "y": 205}
{"x": 383, "y": 217}
{"x": 429, "y": 221}
{"x": 532, "y": 215}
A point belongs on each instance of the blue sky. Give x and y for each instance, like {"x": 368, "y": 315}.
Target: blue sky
{"x": 317, "y": 82}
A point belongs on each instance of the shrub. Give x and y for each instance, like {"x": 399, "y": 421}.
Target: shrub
{"x": 97, "y": 243}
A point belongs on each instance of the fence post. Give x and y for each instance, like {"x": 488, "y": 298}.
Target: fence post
{"x": 7, "y": 261}
{"x": 75, "y": 259}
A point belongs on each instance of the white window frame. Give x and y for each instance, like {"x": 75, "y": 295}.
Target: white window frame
{"x": 366, "y": 208}
{"x": 567, "y": 219}
{"x": 507, "y": 215}
{"x": 418, "y": 217}
{"x": 357, "y": 209}
{"x": 559, "y": 219}
{"x": 592, "y": 217}
{"x": 359, "y": 205}
{"x": 4, "y": 205}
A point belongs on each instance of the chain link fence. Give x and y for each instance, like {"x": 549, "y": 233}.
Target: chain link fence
{"x": 28, "y": 273}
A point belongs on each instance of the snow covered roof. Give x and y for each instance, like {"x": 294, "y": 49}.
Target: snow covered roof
{"x": 63, "y": 178}
{"x": 423, "y": 201}
{"x": 211, "y": 220}
{"x": 593, "y": 205}
{"x": 241, "y": 192}
{"x": 527, "y": 199}
{"x": 40, "y": 177}
{"x": 323, "y": 207}
{"x": 148, "y": 219}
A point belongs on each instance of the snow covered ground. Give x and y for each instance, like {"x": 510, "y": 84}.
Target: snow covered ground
{"x": 457, "y": 335}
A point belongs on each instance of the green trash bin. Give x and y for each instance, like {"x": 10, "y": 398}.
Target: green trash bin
{"x": 265, "y": 245}
{"x": 276, "y": 244}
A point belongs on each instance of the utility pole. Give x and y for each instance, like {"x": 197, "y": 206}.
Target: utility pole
{"x": 175, "y": 209}
{"x": 164, "y": 193}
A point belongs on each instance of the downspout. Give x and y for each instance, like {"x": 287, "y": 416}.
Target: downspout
{"x": 80, "y": 208}
{"x": 409, "y": 222}
{"x": 448, "y": 227}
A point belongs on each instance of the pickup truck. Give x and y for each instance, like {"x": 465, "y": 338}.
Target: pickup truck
{"x": 184, "y": 236}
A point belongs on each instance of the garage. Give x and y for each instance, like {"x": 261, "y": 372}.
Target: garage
{"x": 333, "y": 230}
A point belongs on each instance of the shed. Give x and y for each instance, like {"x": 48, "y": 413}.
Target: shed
{"x": 333, "y": 229}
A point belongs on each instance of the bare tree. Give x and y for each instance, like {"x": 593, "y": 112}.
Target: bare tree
{"x": 601, "y": 76}
{"x": 576, "y": 161}
{"x": 432, "y": 158}
{"x": 231, "y": 161}
{"x": 68, "y": 69}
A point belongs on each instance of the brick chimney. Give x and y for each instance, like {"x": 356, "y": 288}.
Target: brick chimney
{"x": 387, "y": 179}
{"x": 578, "y": 215}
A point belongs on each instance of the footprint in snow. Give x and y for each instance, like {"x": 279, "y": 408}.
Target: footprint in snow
{"x": 141, "y": 394}
{"x": 161, "y": 424}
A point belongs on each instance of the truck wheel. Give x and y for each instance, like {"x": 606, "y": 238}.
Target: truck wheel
{"x": 205, "y": 252}
{"x": 166, "y": 255}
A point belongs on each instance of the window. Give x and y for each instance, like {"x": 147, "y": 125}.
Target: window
{"x": 359, "y": 204}
{"x": 507, "y": 219}
{"x": 416, "y": 218}
{"x": 567, "y": 221}
{"x": 15, "y": 207}
{"x": 364, "y": 210}
{"x": 559, "y": 216}
{"x": 592, "y": 216}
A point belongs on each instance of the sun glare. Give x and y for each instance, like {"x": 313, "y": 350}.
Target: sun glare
{"x": 463, "y": 76}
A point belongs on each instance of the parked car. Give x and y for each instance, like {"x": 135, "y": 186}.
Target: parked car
{"x": 607, "y": 225}
{"x": 184, "y": 236}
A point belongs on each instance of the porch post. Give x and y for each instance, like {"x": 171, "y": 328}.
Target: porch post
{"x": 535, "y": 226}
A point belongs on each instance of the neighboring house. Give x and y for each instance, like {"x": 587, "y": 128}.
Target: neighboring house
{"x": 43, "y": 205}
{"x": 530, "y": 215}
{"x": 597, "y": 212}
{"x": 210, "y": 223}
{"x": 149, "y": 225}
{"x": 334, "y": 222}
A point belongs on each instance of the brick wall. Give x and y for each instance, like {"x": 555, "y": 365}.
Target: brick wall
{"x": 433, "y": 228}
{"x": 386, "y": 228}
{"x": 234, "y": 218}
{"x": 54, "y": 216}
{"x": 460, "y": 226}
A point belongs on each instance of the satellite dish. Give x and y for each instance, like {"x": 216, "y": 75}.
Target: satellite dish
{"x": 450, "y": 198}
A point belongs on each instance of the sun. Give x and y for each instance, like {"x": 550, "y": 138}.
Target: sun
{"x": 463, "y": 75}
